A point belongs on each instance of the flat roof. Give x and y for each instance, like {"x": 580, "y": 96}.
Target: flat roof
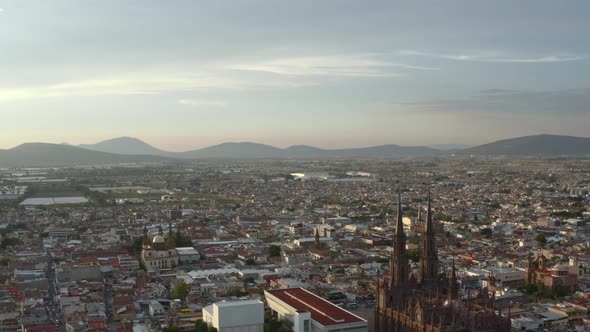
{"x": 321, "y": 310}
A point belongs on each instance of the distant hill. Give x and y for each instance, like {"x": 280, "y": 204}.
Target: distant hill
{"x": 450, "y": 147}
{"x": 254, "y": 150}
{"x": 246, "y": 150}
{"x": 44, "y": 154}
{"x": 235, "y": 150}
{"x": 125, "y": 145}
{"x": 537, "y": 145}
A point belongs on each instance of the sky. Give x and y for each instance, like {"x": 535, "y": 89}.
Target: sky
{"x": 332, "y": 73}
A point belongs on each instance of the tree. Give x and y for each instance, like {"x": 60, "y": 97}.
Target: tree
{"x": 541, "y": 239}
{"x": 171, "y": 241}
{"x": 487, "y": 232}
{"x": 211, "y": 329}
{"x": 414, "y": 255}
{"x": 250, "y": 261}
{"x": 180, "y": 290}
{"x": 200, "y": 326}
{"x": 9, "y": 242}
{"x": 274, "y": 250}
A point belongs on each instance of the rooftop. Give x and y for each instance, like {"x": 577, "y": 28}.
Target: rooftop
{"x": 321, "y": 310}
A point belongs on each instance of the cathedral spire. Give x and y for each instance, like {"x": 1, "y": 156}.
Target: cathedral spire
{"x": 429, "y": 257}
{"x": 419, "y": 217}
{"x": 453, "y": 282}
{"x": 399, "y": 229}
{"x": 428, "y": 226}
{"x": 399, "y": 260}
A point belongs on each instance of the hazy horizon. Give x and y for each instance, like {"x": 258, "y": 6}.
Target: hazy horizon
{"x": 331, "y": 74}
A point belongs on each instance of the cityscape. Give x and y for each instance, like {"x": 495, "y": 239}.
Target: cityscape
{"x": 294, "y": 166}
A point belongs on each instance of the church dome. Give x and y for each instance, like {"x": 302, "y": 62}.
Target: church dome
{"x": 158, "y": 239}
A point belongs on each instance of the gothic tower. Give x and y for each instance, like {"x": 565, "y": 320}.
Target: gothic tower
{"x": 429, "y": 256}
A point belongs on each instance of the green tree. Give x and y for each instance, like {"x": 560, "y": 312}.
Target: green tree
{"x": 274, "y": 251}
{"x": 414, "y": 255}
{"x": 180, "y": 290}
{"x": 9, "y": 242}
{"x": 541, "y": 239}
{"x": 487, "y": 232}
{"x": 200, "y": 326}
{"x": 171, "y": 241}
{"x": 211, "y": 329}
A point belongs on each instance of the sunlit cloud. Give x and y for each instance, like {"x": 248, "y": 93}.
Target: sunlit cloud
{"x": 338, "y": 65}
{"x": 141, "y": 84}
{"x": 202, "y": 103}
{"x": 497, "y": 57}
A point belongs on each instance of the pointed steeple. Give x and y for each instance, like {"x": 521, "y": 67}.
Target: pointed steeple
{"x": 419, "y": 217}
{"x": 428, "y": 226}
{"x": 453, "y": 282}
{"x": 399, "y": 269}
{"x": 399, "y": 227}
{"x": 429, "y": 256}
{"x": 145, "y": 236}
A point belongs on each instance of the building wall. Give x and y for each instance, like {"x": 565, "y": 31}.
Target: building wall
{"x": 239, "y": 317}
{"x": 283, "y": 311}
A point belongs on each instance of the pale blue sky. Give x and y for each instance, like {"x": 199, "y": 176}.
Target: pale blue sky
{"x": 187, "y": 74}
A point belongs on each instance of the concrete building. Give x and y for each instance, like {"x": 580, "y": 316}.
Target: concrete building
{"x": 188, "y": 255}
{"x": 308, "y": 312}
{"x": 235, "y": 316}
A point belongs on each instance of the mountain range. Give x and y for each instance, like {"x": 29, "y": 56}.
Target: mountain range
{"x": 128, "y": 150}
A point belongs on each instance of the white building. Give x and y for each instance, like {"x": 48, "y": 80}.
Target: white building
{"x": 188, "y": 255}
{"x": 235, "y": 316}
{"x": 308, "y": 312}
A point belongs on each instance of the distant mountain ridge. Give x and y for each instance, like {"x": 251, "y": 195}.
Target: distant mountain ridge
{"x": 46, "y": 154}
{"x": 128, "y": 150}
{"x": 535, "y": 145}
{"x": 124, "y": 145}
{"x": 245, "y": 150}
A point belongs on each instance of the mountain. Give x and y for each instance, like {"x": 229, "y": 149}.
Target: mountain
{"x": 450, "y": 147}
{"x": 44, "y": 154}
{"x": 245, "y": 150}
{"x": 242, "y": 150}
{"x": 125, "y": 145}
{"x": 536, "y": 145}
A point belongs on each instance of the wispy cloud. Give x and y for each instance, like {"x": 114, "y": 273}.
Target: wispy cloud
{"x": 497, "y": 101}
{"x": 294, "y": 72}
{"x": 143, "y": 83}
{"x": 497, "y": 57}
{"x": 361, "y": 65}
{"x": 202, "y": 103}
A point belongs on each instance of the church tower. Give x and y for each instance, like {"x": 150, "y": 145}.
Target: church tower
{"x": 429, "y": 256}
{"x": 400, "y": 260}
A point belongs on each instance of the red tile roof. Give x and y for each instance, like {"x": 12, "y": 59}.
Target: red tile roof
{"x": 321, "y": 310}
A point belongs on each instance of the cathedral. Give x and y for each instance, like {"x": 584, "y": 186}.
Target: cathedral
{"x": 431, "y": 301}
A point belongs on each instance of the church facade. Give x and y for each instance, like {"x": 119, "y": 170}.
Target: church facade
{"x": 156, "y": 255}
{"x": 430, "y": 302}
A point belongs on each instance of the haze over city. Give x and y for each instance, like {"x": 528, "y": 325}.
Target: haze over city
{"x": 184, "y": 74}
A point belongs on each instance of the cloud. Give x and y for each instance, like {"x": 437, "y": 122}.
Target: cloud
{"x": 356, "y": 65}
{"x": 497, "y": 57}
{"x": 202, "y": 103}
{"x": 142, "y": 83}
{"x": 294, "y": 72}
{"x": 498, "y": 101}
